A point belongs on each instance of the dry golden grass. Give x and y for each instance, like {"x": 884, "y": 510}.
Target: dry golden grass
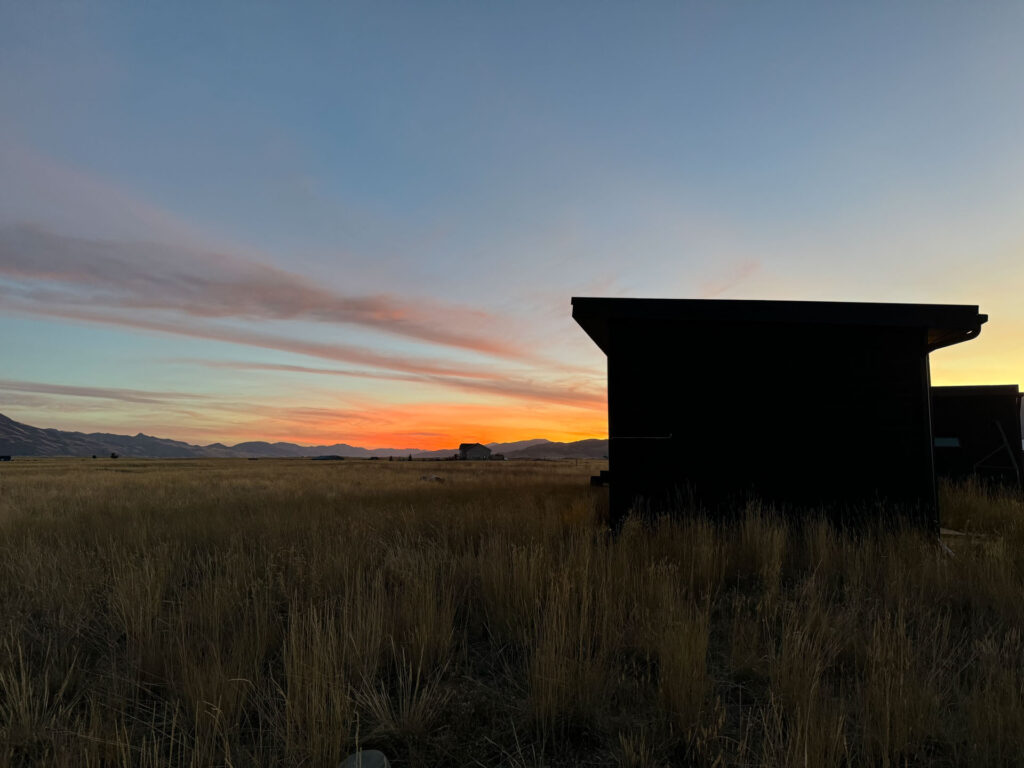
{"x": 280, "y": 613}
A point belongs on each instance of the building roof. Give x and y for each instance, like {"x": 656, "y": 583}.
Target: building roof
{"x": 975, "y": 390}
{"x": 945, "y": 323}
{"x": 467, "y": 446}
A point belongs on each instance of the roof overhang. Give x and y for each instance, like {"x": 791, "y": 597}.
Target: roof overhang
{"x": 945, "y": 324}
{"x": 979, "y": 390}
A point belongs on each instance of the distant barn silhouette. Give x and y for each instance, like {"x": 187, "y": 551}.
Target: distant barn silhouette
{"x": 820, "y": 405}
{"x": 474, "y": 452}
{"x": 978, "y": 432}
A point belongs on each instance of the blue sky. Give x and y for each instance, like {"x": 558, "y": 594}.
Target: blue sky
{"x": 229, "y": 203}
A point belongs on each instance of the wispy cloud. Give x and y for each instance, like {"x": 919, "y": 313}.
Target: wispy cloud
{"x": 462, "y": 377}
{"x": 37, "y": 187}
{"x": 104, "y": 393}
{"x": 393, "y": 367}
{"x": 343, "y": 353}
{"x": 103, "y": 255}
{"x": 509, "y": 387}
{"x": 729, "y": 279}
{"x": 46, "y": 268}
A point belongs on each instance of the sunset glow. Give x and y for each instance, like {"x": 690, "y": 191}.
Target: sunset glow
{"x": 364, "y": 225}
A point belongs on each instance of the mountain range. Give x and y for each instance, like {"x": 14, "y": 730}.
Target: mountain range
{"x": 18, "y": 439}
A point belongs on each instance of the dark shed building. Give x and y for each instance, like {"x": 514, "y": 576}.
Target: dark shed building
{"x": 840, "y": 418}
{"x": 978, "y": 432}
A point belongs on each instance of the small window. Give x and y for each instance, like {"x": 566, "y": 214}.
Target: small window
{"x": 947, "y": 442}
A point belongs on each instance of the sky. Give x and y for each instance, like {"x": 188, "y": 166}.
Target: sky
{"x": 363, "y": 222}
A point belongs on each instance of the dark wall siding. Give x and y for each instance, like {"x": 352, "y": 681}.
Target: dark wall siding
{"x": 793, "y": 415}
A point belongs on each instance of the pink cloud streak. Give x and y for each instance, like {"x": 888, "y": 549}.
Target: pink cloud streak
{"x": 507, "y": 387}
{"x": 144, "y": 275}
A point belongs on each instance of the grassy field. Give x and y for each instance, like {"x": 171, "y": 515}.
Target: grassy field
{"x": 280, "y": 613}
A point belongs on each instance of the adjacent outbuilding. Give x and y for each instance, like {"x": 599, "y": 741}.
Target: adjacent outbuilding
{"x": 474, "y": 452}
{"x": 821, "y": 405}
{"x": 977, "y": 432}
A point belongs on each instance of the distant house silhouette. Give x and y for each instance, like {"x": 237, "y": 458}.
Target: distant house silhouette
{"x": 978, "y": 432}
{"x": 837, "y": 393}
{"x": 474, "y": 452}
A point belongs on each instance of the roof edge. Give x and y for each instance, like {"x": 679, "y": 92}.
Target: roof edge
{"x": 946, "y": 324}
